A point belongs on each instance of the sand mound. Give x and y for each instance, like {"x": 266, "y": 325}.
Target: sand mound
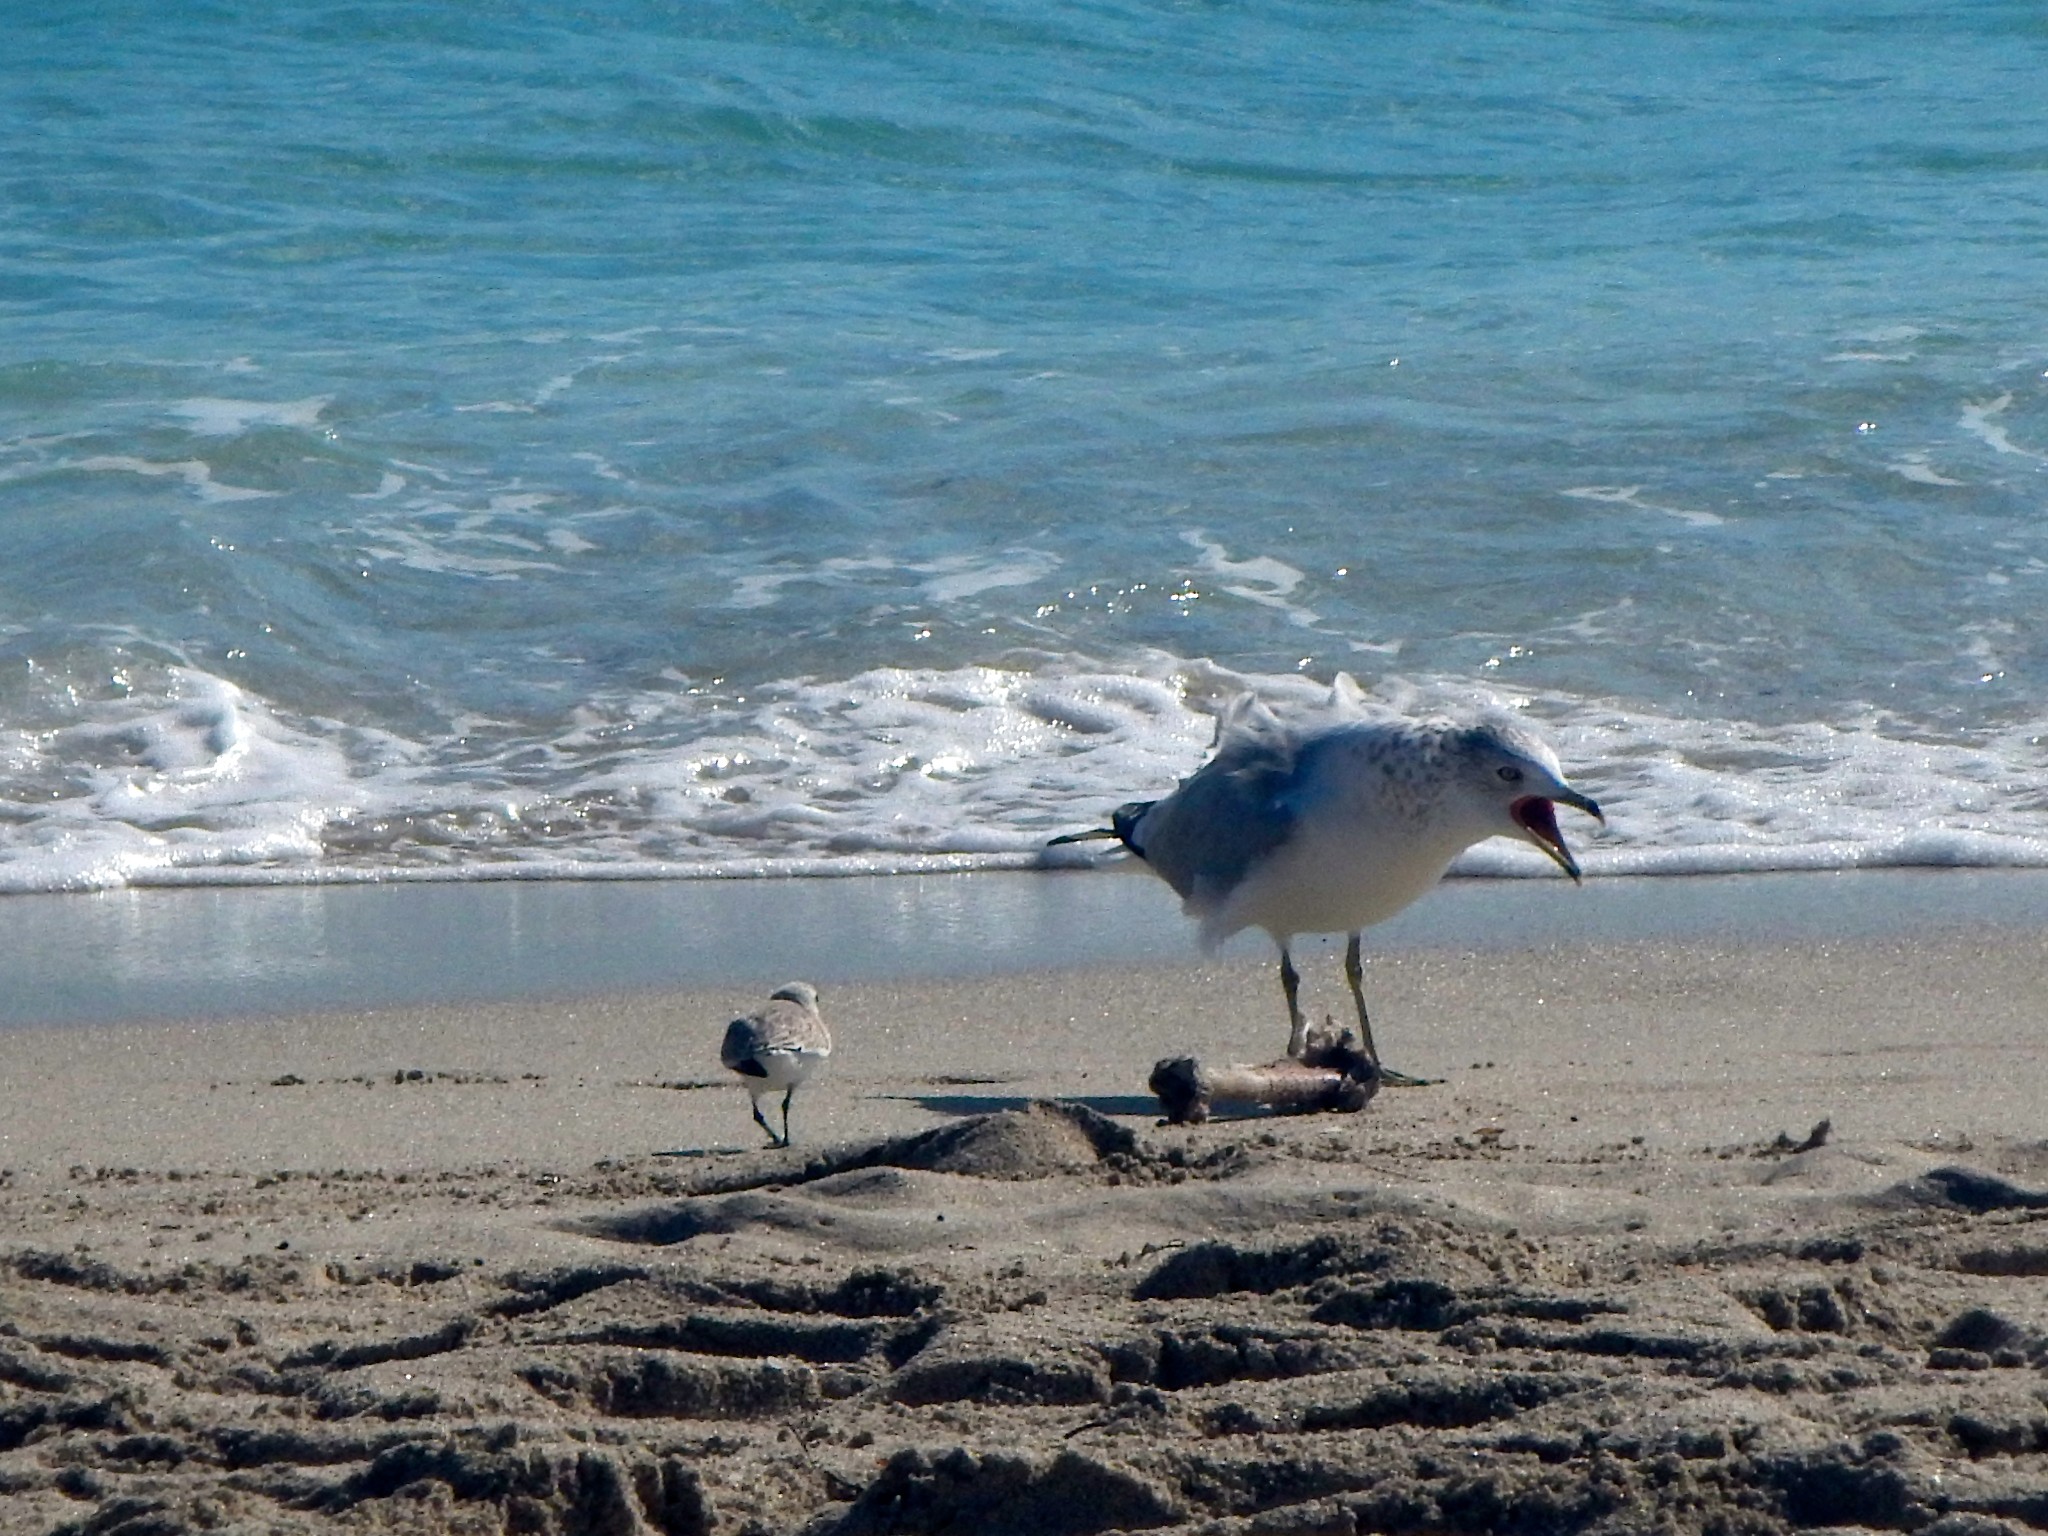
{"x": 834, "y": 1191}
{"x": 1040, "y": 1141}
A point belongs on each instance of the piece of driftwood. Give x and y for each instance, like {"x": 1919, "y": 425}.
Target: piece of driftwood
{"x": 1331, "y": 1074}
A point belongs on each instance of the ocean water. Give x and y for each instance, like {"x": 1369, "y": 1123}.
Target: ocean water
{"x": 639, "y": 439}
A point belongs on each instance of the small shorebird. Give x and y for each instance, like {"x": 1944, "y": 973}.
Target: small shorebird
{"x": 780, "y": 1046}
{"x": 1333, "y": 826}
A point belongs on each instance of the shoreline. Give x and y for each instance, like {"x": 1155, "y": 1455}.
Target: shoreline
{"x": 243, "y": 952}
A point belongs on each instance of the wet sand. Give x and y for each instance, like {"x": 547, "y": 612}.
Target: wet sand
{"x": 1736, "y": 1232}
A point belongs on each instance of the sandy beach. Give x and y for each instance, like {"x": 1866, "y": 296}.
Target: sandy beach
{"x": 1736, "y": 1227}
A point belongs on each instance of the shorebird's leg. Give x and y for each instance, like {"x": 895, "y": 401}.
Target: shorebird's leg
{"x": 1290, "y": 982}
{"x": 762, "y": 1121}
{"x": 785, "y": 1113}
{"x": 1354, "y": 973}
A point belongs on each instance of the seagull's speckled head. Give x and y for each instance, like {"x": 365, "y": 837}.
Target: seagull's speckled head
{"x": 1513, "y": 772}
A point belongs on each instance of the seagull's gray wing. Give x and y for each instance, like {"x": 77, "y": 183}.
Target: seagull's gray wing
{"x": 1222, "y": 821}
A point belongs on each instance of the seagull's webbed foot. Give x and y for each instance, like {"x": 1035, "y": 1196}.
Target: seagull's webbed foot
{"x": 1389, "y": 1078}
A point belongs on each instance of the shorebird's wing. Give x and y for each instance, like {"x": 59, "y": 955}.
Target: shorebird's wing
{"x": 787, "y": 1026}
{"x": 742, "y": 1038}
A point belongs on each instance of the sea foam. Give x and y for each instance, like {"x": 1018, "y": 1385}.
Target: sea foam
{"x": 195, "y": 780}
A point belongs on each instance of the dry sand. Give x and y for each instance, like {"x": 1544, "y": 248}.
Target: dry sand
{"x": 526, "y": 1267}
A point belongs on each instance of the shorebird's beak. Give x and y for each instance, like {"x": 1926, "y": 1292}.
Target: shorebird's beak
{"x": 1536, "y": 815}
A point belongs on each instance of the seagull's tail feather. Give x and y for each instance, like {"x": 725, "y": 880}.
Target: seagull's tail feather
{"x": 1123, "y": 828}
{"x": 1093, "y": 834}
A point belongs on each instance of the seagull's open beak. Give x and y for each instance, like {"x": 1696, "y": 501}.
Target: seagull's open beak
{"x": 1536, "y": 815}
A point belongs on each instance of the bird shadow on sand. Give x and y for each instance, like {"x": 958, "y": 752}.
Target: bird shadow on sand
{"x": 990, "y": 1104}
{"x": 710, "y": 1151}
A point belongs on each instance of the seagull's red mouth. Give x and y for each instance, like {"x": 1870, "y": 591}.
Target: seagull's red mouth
{"x": 1537, "y": 817}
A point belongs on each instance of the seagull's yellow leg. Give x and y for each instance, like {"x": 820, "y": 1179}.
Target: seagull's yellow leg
{"x": 1354, "y": 973}
{"x": 1290, "y": 982}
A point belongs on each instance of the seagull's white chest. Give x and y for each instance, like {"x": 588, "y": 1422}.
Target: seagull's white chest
{"x": 1370, "y": 835}
{"x": 1339, "y": 878}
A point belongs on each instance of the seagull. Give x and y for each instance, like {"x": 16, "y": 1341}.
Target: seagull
{"x": 1333, "y": 825}
{"x": 780, "y": 1046}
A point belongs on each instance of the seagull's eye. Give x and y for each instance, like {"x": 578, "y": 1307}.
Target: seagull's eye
{"x": 1510, "y": 773}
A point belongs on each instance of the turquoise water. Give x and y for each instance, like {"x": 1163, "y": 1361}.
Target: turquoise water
{"x": 475, "y": 440}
